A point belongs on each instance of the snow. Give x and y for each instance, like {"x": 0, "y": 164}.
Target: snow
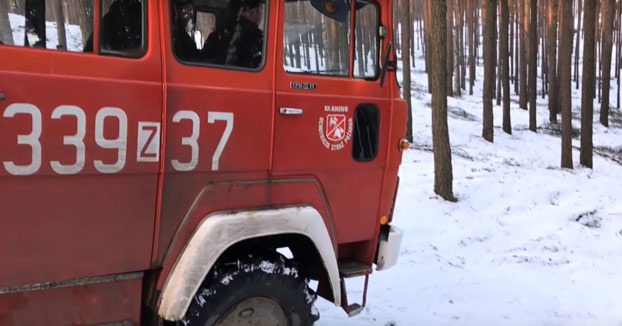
{"x": 528, "y": 243}
{"x": 73, "y": 34}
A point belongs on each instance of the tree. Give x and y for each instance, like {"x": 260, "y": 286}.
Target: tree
{"x": 450, "y": 47}
{"x": 533, "y": 59}
{"x": 405, "y": 43}
{"x": 489, "y": 15}
{"x": 578, "y": 45}
{"x": 552, "y": 59}
{"x": 60, "y": 24}
{"x": 6, "y": 35}
{"x": 522, "y": 93}
{"x": 565, "y": 53}
{"x": 443, "y": 176}
{"x": 607, "y": 46}
{"x": 587, "y": 91}
{"x": 505, "y": 65}
{"x": 471, "y": 42}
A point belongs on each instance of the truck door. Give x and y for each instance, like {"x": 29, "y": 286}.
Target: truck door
{"x": 80, "y": 109}
{"x": 219, "y": 103}
{"x": 331, "y": 114}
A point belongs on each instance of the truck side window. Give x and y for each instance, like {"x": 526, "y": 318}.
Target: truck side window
{"x": 60, "y": 25}
{"x": 121, "y": 27}
{"x": 316, "y": 37}
{"x": 366, "y": 40}
{"x": 228, "y": 33}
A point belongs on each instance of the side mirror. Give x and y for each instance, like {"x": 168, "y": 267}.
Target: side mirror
{"x": 386, "y": 63}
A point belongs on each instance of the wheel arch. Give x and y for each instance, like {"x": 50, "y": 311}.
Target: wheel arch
{"x": 301, "y": 228}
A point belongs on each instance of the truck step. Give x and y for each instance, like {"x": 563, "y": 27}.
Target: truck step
{"x": 353, "y": 309}
{"x": 348, "y": 269}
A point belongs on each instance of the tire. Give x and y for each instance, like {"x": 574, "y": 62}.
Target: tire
{"x": 253, "y": 291}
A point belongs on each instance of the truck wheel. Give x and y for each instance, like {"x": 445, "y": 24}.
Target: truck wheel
{"x": 253, "y": 291}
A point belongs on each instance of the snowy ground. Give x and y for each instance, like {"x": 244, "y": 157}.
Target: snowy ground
{"x": 527, "y": 244}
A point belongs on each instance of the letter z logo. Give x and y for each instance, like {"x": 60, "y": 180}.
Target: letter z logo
{"x": 148, "y": 149}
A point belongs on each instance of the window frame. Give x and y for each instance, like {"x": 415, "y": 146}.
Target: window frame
{"x": 378, "y": 45}
{"x": 217, "y": 66}
{"x": 122, "y": 54}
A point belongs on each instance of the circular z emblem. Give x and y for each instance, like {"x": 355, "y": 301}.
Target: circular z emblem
{"x": 335, "y": 131}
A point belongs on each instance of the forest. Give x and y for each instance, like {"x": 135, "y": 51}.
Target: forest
{"x": 531, "y": 48}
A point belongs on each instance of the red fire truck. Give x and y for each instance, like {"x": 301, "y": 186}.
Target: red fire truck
{"x": 194, "y": 161}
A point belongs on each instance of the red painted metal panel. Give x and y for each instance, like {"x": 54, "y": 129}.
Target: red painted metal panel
{"x": 81, "y": 305}
{"x": 194, "y": 93}
{"x": 85, "y": 223}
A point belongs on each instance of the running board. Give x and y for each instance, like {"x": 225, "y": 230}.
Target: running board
{"x": 349, "y": 269}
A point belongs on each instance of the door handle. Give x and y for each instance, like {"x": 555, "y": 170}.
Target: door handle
{"x": 290, "y": 111}
{"x": 2, "y": 96}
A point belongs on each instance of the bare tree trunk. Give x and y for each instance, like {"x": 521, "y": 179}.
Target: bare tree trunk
{"x": 522, "y": 94}
{"x": 60, "y": 24}
{"x": 443, "y": 176}
{"x": 533, "y": 68}
{"x": 577, "y": 47}
{"x": 587, "y": 92}
{"x": 405, "y": 42}
{"x": 599, "y": 7}
{"x": 606, "y": 66}
{"x": 565, "y": 53}
{"x": 457, "y": 49}
{"x": 427, "y": 26}
{"x": 542, "y": 32}
{"x": 462, "y": 45}
{"x": 619, "y": 49}
{"x": 450, "y": 47}
{"x": 505, "y": 65}
{"x": 6, "y": 35}
{"x": 517, "y": 52}
{"x": 511, "y": 40}
{"x": 552, "y": 53}
{"x": 489, "y": 15}
{"x": 470, "y": 22}
{"x": 498, "y": 89}
{"x": 411, "y": 24}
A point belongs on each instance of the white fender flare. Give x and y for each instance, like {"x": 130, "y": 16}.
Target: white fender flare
{"x": 217, "y": 232}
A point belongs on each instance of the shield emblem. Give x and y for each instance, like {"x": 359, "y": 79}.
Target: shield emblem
{"x": 335, "y": 127}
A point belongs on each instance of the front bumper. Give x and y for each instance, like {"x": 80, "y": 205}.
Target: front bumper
{"x": 389, "y": 248}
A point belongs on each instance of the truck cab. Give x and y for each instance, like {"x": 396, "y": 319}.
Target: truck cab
{"x": 194, "y": 161}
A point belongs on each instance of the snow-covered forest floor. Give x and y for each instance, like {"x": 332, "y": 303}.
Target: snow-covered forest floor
{"x": 528, "y": 243}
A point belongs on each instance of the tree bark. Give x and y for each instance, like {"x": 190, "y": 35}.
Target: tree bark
{"x": 6, "y": 35}
{"x": 450, "y": 47}
{"x": 587, "y": 91}
{"x": 470, "y": 22}
{"x": 606, "y": 65}
{"x": 498, "y": 88}
{"x": 533, "y": 68}
{"x": 427, "y": 27}
{"x": 565, "y": 53}
{"x": 522, "y": 93}
{"x": 443, "y": 177}
{"x": 577, "y": 47}
{"x": 505, "y": 65}
{"x": 60, "y": 24}
{"x": 457, "y": 50}
{"x": 489, "y": 15}
{"x": 405, "y": 42}
{"x": 552, "y": 60}
{"x": 517, "y": 51}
